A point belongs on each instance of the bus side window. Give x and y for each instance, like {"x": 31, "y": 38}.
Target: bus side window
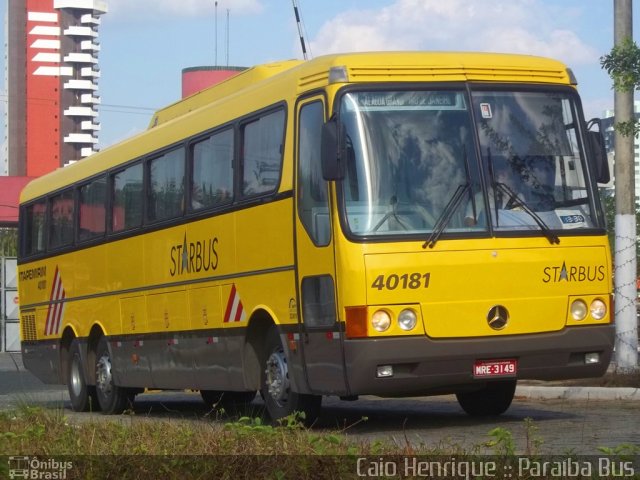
{"x": 35, "y": 228}
{"x": 261, "y": 159}
{"x": 212, "y": 171}
{"x": 313, "y": 206}
{"x": 92, "y": 209}
{"x": 126, "y": 207}
{"x": 61, "y": 220}
{"x": 166, "y": 186}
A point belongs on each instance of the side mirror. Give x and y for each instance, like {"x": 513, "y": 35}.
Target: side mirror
{"x": 332, "y": 168}
{"x": 598, "y": 153}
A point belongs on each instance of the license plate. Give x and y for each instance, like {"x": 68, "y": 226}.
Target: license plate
{"x": 495, "y": 368}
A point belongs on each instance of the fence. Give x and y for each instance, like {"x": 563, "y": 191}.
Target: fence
{"x": 9, "y": 311}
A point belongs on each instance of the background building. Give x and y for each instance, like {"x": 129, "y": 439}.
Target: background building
{"x": 195, "y": 79}
{"x": 607, "y": 125}
{"x": 51, "y": 52}
{"x": 52, "y": 57}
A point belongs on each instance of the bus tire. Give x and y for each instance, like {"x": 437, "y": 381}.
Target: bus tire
{"x": 216, "y": 399}
{"x": 83, "y": 397}
{"x": 493, "y": 399}
{"x": 275, "y": 387}
{"x": 112, "y": 398}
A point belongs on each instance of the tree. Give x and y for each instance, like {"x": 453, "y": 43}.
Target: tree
{"x": 8, "y": 242}
{"x": 623, "y": 66}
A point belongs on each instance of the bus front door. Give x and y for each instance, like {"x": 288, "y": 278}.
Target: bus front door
{"x": 320, "y": 336}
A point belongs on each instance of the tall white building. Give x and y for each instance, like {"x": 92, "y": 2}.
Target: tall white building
{"x": 607, "y": 125}
{"x": 80, "y": 19}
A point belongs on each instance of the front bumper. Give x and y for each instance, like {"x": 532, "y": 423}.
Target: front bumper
{"x": 424, "y": 366}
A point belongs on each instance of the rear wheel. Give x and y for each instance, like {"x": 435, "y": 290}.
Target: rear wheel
{"x": 83, "y": 397}
{"x": 493, "y": 399}
{"x": 275, "y": 386}
{"x": 112, "y": 398}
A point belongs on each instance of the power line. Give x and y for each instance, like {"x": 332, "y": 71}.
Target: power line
{"x": 99, "y": 105}
{"x": 131, "y": 107}
{"x": 108, "y": 110}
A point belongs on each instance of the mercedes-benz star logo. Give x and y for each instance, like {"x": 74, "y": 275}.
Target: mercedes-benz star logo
{"x": 498, "y": 317}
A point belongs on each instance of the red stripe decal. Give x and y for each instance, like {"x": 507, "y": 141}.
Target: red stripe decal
{"x": 232, "y": 296}
{"x": 47, "y": 325}
{"x": 60, "y": 311}
{"x": 239, "y": 312}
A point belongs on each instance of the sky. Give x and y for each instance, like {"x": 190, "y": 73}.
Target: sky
{"x": 145, "y": 44}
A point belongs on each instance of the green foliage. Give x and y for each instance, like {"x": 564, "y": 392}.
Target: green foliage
{"x": 8, "y": 242}
{"x": 623, "y": 65}
{"x": 502, "y": 442}
{"x": 625, "y": 451}
{"x": 534, "y": 441}
{"x": 608, "y": 199}
{"x": 250, "y": 426}
{"x": 630, "y": 128}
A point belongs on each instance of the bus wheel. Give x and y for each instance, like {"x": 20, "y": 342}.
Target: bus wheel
{"x": 493, "y": 399}
{"x": 83, "y": 396}
{"x": 112, "y": 399}
{"x": 216, "y": 399}
{"x": 275, "y": 386}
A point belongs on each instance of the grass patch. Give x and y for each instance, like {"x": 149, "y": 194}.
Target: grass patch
{"x": 138, "y": 447}
{"x": 131, "y": 446}
{"x": 30, "y": 430}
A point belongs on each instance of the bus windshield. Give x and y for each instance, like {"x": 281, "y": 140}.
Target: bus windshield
{"x": 419, "y": 162}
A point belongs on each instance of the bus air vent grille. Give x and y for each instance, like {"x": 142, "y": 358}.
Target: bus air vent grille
{"x": 29, "y": 327}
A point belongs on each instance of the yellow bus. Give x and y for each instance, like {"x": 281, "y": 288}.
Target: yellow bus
{"x": 390, "y": 224}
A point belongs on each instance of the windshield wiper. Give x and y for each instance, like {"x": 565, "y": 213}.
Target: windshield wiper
{"x": 518, "y": 202}
{"x": 446, "y": 215}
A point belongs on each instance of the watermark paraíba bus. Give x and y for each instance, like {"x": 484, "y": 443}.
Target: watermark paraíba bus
{"x": 516, "y": 467}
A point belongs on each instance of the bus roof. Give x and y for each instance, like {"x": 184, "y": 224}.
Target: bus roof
{"x": 308, "y": 75}
{"x": 237, "y": 82}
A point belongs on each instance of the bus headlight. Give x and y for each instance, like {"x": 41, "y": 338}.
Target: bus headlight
{"x": 407, "y": 319}
{"x": 381, "y": 321}
{"x": 579, "y": 310}
{"x": 598, "y": 309}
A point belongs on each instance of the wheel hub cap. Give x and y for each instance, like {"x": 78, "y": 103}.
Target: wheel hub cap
{"x": 103, "y": 375}
{"x": 76, "y": 379}
{"x": 277, "y": 377}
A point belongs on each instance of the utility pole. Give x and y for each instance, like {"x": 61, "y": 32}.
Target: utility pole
{"x": 625, "y": 224}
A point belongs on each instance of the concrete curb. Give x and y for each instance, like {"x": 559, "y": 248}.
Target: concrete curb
{"x": 577, "y": 393}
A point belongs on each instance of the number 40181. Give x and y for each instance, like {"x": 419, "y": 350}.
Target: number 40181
{"x": 406, "y": 280}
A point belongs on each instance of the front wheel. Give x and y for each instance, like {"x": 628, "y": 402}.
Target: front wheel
{"x": 112, "y": 398}
{"x": 275, "y": 386}
{"x": 83, "y": 397}
{"x": 493, "y": 399}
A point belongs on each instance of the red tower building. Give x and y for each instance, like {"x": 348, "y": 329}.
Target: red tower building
{"x": 195, "y": 79}
{"x": 52, "y": 81}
